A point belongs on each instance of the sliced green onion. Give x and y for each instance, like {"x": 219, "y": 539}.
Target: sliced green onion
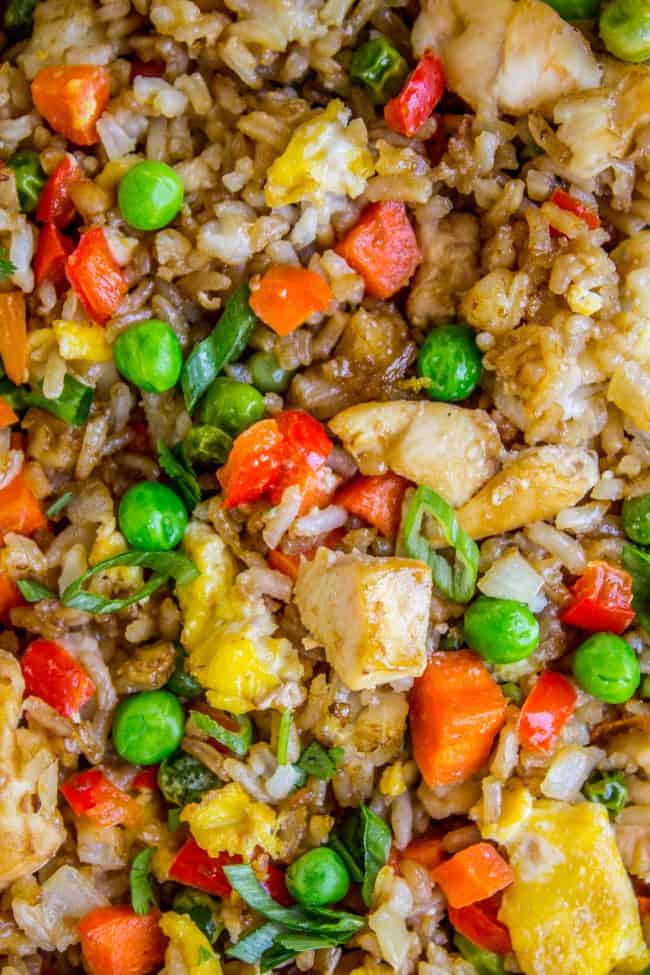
{"x": 286, "y": 720}
{"x": 34, "y": 591}
{"x": 380, "y": 68}
{"x": 143, "y": 897}
{"x": 179, "y": 471}
{"x": 59, "y": 504}
{"x": 637, "y": 562}
{"x": 316, "y": 761}
{"x": 225, "y": 343}
{"x": 252, "y": 946}
{"x": 484, "y": 962}
{"x": 237, "y": 742}
{"x": 457, "y": 582}
{"x": 275, "y": 957}
{"x": 7, "y": 267}
{"x": 207, "y": 445}
{"x": 72, "y": 406}
{"x": 165, "y": 565}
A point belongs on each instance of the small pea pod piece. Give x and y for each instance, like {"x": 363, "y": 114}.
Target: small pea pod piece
{"x": 182, "y": 779}
{"x": 380, "y": 68}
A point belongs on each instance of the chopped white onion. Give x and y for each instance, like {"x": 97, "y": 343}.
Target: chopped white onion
{"x": 512, "y": 577}
{"x": 569, "y": 771}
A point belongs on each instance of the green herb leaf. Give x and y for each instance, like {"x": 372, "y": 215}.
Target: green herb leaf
{"x": 316, "y": 761}
{"x": 637, "y": 561}
{"x": 202, "y": 909}
{"x": 457, "y": 582}
{"x": 143, "y": 897}
{"x": 34, "y": 591}
{"x": 237, "y": 742}
{"x": 484, "y": 962}
{"x": 351, "y": 864}
{"x": 72, "y": 406}
{"x": 165, "y": 565}
{"x": 7, "y": 268}
{"x": 225, "y": 343}
{"x": 252, "y": 946}
{"x": 59, "y": 504}
{"x": 286, "y": 720}
{"x": 363, "y": 840}
{"x": 208, "y": 445}
{"x": 179, "y": 471}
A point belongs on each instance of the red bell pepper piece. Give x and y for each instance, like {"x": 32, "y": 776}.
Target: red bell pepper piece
{"x": 117, "y": 941}
{"x": 20, "y": 511}
{"x": 146, "y": 779}
{"x": 480, "y": 924}
{"x": 71, "y": 97}
{"x": 52, "y": 249}
{"x": 546, "y": 710}
{"x": 602, "y": 600}
{"x": 53, "y": 675}
{"x": 377, "y": 499}
{"x": 147, "y": 69}
{"x": 274, "y": 884}
{"x": 54, "y": 203}
{"x": 95, "y": 275}
{"x": 382, "y": 248}
{"x": 93, "y": 795}
{"x": 254, "y": 464}
{"x": 565, "y": 201}
{"x": 196, "y": 868}
{"x": 424, "y": 88}
{"x": 305, "y": 436}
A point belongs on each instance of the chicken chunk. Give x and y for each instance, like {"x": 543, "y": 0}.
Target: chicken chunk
{"x": 536, "y": 485}
{"x": 450, "y": 247}
{"x": 370, "y": 614}
{"x": 448, "y": 448}
{"x": 501, "y": 55}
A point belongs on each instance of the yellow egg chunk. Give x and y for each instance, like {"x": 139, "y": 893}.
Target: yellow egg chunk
{"x": 229, "y": 820}
{"x": 87, "y": 343}
{"x": 571, "y": 908}
{"x": 228, "y": 636}
{"x": 325, "y": 155}
{"x": 186, "y": 940}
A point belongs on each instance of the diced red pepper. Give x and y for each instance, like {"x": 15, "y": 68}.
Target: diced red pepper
{"x": 93, "y": 795}
{"x": 52, "y": 249}
{"x": 71, "y": 97}
{"x": 147, "y": 69}
{"x": 473, "y": 874}
{"x": 254, "y": 464}
{"x": 305, "y": 436}
{"x": 382, "y": 248}
{"x": 376, "y": 499}
{"x": 602, "y": 600}
{"x": 54, "y": 203}
{"x": 10, "y": 596}
{"x": 546, "y": 710}
{"x": 56, "y": 677}
{"x": 96, "y": 277}
{"x": 274, "y": 884}
{"x": 146, "y": 779}
{"x": 565, "y": 201}
{"x": 196, "y": 868}
{"x": 480, "y": 924}
{"x": 20, "y": 511}
{"x": 424, "y": 88}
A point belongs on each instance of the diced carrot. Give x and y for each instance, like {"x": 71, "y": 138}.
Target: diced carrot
{"x": 479, "y": 923}
{"x": 96, "y": 276}
{"x": 425, "y": 850}
{"x": 55, "y": 205}
{"x": 456, "y": 709}
{"x": 117, "y": 941}
{"x": 13, "y": 335}
{"x": 473, "y": 874}
{"x": 20, "y": 511}
{"x": 71, "y": 97}
{"x": 10, "y": 596}
{"x": 376, "y": 499}
{"x": 7, "y": 415}
{"x": 382, "y": 248}
{"x": 287, "y": 296}
{"x": 52, "y": 249}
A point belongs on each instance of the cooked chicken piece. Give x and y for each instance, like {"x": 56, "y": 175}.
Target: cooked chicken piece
{"x": 536, "y": 485}
{"x": 370, "y": 614}
{"x": 501, "y": 55}
{"x": 449, "y": 448}
{"x": 451, "y": 265}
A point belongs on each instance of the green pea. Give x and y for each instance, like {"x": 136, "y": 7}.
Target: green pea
{"x": 149, "y": 356}
{"x": 181, "y": 682}
{"x": 183, "y": 779}
{"x": 503, "y": 631}
{"x": 152, "y": 518}
{"x": 202, "y": 909}
{"x": 30, "y": 178}
{"x": 450, "y": 359}
{"x": 606, "y": 667}
{"x": 380, "y": 68}
{"x": 607, "y": 788}
{"x": 625, "y": 29}
{"x": 318, "y": 878}
{"x": 148, "y": 727}
{"x": 576, "y": 9}
{"x": 231, "y": 406}
{"x": 150, "y": 195}
{"x": 267, "y": 374}
{"x": 636, "y": 519}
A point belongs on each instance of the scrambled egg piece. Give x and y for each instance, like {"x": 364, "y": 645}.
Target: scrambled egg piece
{"x": 571, "y": 908}
{"x": 325, "y": 155}
{"x": 228, "y": 819}
{"x": 109, "y": 542}
{"x": 370, "y": 614}
{"x": 85, "y": 342}
{"x": 228, "y": 636}
{"x": 188, "y": 942}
